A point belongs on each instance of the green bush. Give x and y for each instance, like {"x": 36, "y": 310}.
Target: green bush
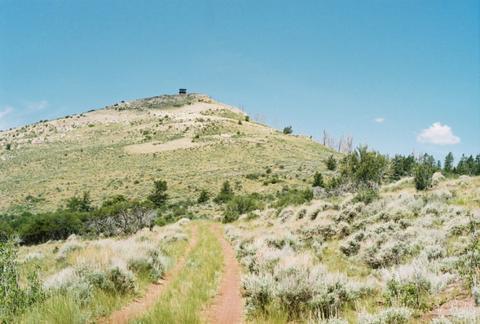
{"x": 293, "y": 197}
{"x": 203, "y": 197}
{"x": 288, "y": 130}
{"x": 14, "y": 298}
{"x": 318, "y": 180}
{"x": 80, "y": 204}
{"x": 413, "y": 294}
{"x": 364, "y": 167}
{"x": 159, "y": 195}
{"x": 225, "y": 194}
{"x": 366, "y": 195}
{"x": 423, "y": 176}
{"x": 239, "y": 205}
{"x": 51, "y": 226}
{"x": 331, "y": 163}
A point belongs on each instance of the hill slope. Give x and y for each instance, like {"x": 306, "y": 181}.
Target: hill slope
{"x": 191, "y": 141}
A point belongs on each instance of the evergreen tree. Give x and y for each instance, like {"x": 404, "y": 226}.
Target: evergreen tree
{"x": 331, "y": 163}
{"x": 159, "y": 195}
{"x": 448, "y": 165}
{"x": 225, "y": 194}
{"x": 318, "y": 180}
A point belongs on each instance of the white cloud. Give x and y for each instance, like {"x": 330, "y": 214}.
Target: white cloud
{"x": 5, "y": 111}
{"x": 379, "y": 120}
{"x": 438, "y": 134}
{"x": 37, "y": 105}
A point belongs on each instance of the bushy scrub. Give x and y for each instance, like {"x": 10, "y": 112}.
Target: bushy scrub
{"x": 364, "y": 167}
{"x": 423, "y": 176}
{"x": 203, "y": 197}
{"x": 331, "y": 163}
{"x": 159, "y": 195}
{"x": 226, "y": 193}
{"x": 239, "y": 205}
{"x": 293, "y": 197}
{"x": 412, "y": 284}
{"x": 318, "y": 180}
{"x": 392, "y": 315}
{"x": 121, "y": 217}
{"x": 366, "y": 195}
{"x": 412, "y": 293}
{"x": 299, "y": 288}
{"x": 15, "y": 298}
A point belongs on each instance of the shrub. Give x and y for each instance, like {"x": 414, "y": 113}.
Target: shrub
{"x": 225, "y": 194}
{"x": 240, "y": 205}
{"x": 247, "y": 118}
{"x": 392, "y": 315}
{"x": 411, "y": 293}
{"x": 258, "y": 291}
{"x": 364, "y": 167}
{"x": 8, "y": 147}
{"x": 318, "y": 180}
{"x": 476, "y": 295}
{"x": 122, "y": 281}
{"x": 83, "y": 204}
{"x": 288, "y": 130}
{"x": 366, "y": 195}
{"x": 51, "y": 226}
{"x": 293, "y": 197}
{"x": 331, "y": 163}
{"x": 159, "y": 195}
{"x": 121, "y": 217}
{"x": 14, "y": 299}
{"x": 423, "y": 176}
{"x": 203, "y": 197}
{"x": 154, "y": 264}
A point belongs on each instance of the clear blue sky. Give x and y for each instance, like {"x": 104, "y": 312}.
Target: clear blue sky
{"x": 335, "y": 65}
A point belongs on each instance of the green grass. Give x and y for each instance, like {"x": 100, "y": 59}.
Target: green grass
{"x": 194, "y": 286}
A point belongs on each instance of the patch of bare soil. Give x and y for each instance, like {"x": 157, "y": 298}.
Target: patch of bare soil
{"x": 228, "y": 305}
{"x": 154, "y": 147}
{"x": 461, "y": 303}
{"x": 141, "y": 305}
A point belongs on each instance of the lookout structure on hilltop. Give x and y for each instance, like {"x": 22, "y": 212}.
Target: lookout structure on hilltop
{"x": 182, "y": 91}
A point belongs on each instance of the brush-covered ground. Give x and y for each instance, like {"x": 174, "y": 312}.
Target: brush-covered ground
{"x": 192, "y": 142}
{"x": 406, "y": 257}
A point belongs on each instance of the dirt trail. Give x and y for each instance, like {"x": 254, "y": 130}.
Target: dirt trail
{"x": 227, "y": 308}
{"x": 142, "y": 304}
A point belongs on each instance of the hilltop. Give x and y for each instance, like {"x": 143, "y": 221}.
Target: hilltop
{"x": 191, "y": 141}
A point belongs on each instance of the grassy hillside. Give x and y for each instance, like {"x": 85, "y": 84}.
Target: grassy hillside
{"x": 192, "y": 142}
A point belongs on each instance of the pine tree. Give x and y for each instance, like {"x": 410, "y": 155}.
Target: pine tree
{"x": 448, "y": 165}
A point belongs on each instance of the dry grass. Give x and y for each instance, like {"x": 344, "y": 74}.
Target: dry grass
{"x": 51, "y": 161}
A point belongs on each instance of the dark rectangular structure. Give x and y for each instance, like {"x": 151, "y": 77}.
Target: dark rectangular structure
{"x": 182, "y": 91}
